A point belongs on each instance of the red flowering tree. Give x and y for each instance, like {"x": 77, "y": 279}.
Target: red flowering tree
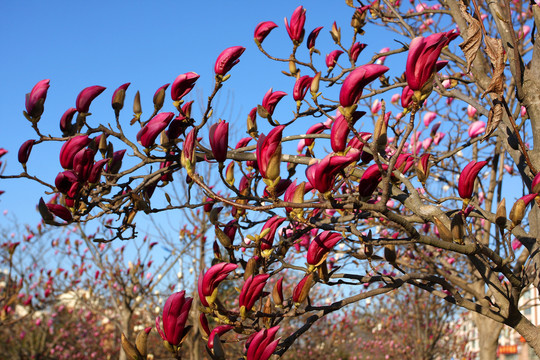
{"x": 396, "y": 187}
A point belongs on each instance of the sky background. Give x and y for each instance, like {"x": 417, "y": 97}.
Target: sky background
{"x": 79, "y": 44}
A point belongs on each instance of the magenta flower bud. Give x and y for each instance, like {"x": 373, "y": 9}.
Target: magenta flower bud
{"x": 182, "y": 85}
{"x": 148, "y": 134}
{"x": 25, "y": 150}
{"x": 86, "y": 96}
{"x": 263, "y": 29}
{"x": 340, "y": 130}
{"x": 218, "y": 330}
{"x": 332, "y": 58}
{"x": 3, "y": 152}
{"x": 95, "y": 173}
{"x": 312, "y": 37}
{"x": 267, "y": 240}
{"x": 422, "y": 60}
{"x": 354, "y": 84}
{"x": 252, "y": 290}
{"x": 227, "y": 59}
{"x": 323, "y": 174}
{"x": 243, "y": 142}
{"x": 159, "y": 97}
{"x": 83, "y": 162}
{"x": 65, "y": 180}
{"x": 269, "y": 153}
{"x": 262, "y": 344}
{"x": 175, "y": 315}
{"x": 477, "y": 128}
{"x": 471, "y": 111}
{"x": 230, "y": 229}
{"x": 118, "y": 97}
{"x": 277, "y": 292}
{"x": 279, "y": 189}
{"x": 60, "y": 211}
{"x": 301, "y": 291}
{"x": 219, "y": 140}
{"x": 114, "y": 165}
{"x": 72, "y": 147}
{"x": 65, "y": 120}
{"x": 356, "y": 50}
{"x": 315, "y": 129}
{"x": 370, "y": 180}
{"x": 404, "y": 163}
{"x": 406, "y": 97}
{"x": 204, "y": 324}
{"x": 296, "y": 26}
{"x": 429, "y": 117}
{"x": 36, "y": 98}
{"x": 301, "y": 86}
{"x": 188, "y": 151}
{"x": 467, "y": 177}
{"x": 209, "y": 282}
{"x": 535, "y": 185}
{"x": 321, "y": 246}
{"x": 270, "y": 100}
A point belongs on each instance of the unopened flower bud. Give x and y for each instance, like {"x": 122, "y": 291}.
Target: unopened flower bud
{"x": 457, "y": 228}
{"x": 444, "y": 232}
{"x": 500, "y": 215}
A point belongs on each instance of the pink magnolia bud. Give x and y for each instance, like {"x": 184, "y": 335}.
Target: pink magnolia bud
{"x": 269, "y": 153}
{"x": 296, "y": 26}
{"x": 95, "y": 173}
{"x": 227, "y": 59}
{"x": 321, "y": 245}
{"x": 25, "y": 150}
{"x": 323, "y": 174}
{"x": 182, "y": 85}
{"x": 267, "y": 241}
{"x": 279, "y": 189}
{"x": 209, "y": 282}
{"x": 261, "y": 345}
{"x": 315, "y": 129}
{"x": 263, "y": 29}
{"x": 467, "y": 177}
{"x": 36, "y": 98}
{"x": 188, "y": 151}
{"x": 82, "y": 163}
{"x": 476, "y": 128}
{"x": 356, "y": 50}
{"x": 376, "y": 106}
{"x": 438, "y": 137}
{"x": 301, "y": 86}
{"x": 159, "y": 97}
{"x": 406, "y": 97}
{"x": 381, "y": 60}
{"x": 370, "y": 180}
{"x": 204, "y": 324}
{"x": 65, "y": 120}
{"x": 395, "y": 98}
{"x": 218, "y": 330}
{"x": 65, "y": 180}
{"x": 301, "y": 291}
{"x": 312, "y": 37}
{"x": 340, "y": 130}
{"x": 60, "y": 211}
{"x": 354, "y": 84}
{"x": 119, "y": 96}
{"x": 252, "y": 290}
{"x": 277, "y": 292}
{"x": 175, "y": 315}
{"x": 148, "y": 134}
{"x": 332, "y": 58}
{"x": 422, "y": 61}
{"x": 72, "y": 147}
{"x": 429, "y": 117}
{"x": 270, "y": 100}
{"x": 86, "y": 96}
{"x": 219, "y": 140}
{"x": 114, "y": 165}
{"x": 3, "y": 152}
{"x": 471, "y": 111}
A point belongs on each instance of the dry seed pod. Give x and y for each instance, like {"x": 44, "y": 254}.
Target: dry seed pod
{"x": 457, "y": 228}
{"x": 500, "y": 215}
{"x": 129, "y": 349}
{"x": 390, "y": 253}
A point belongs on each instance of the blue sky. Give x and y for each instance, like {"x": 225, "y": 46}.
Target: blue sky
{"x": 79, "y": 44}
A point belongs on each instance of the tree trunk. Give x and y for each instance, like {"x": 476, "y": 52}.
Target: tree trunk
{"x": 125, "y": 328}
{"x": 488, "y": 336}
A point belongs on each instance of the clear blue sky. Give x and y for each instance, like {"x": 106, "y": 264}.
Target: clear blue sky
{"x": 78, "y": 44}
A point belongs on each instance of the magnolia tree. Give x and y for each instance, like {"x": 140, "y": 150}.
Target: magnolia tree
{"x": 399, "y": 199}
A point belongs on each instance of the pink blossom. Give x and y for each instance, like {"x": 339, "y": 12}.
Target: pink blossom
{"x": 476, "y": 128}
